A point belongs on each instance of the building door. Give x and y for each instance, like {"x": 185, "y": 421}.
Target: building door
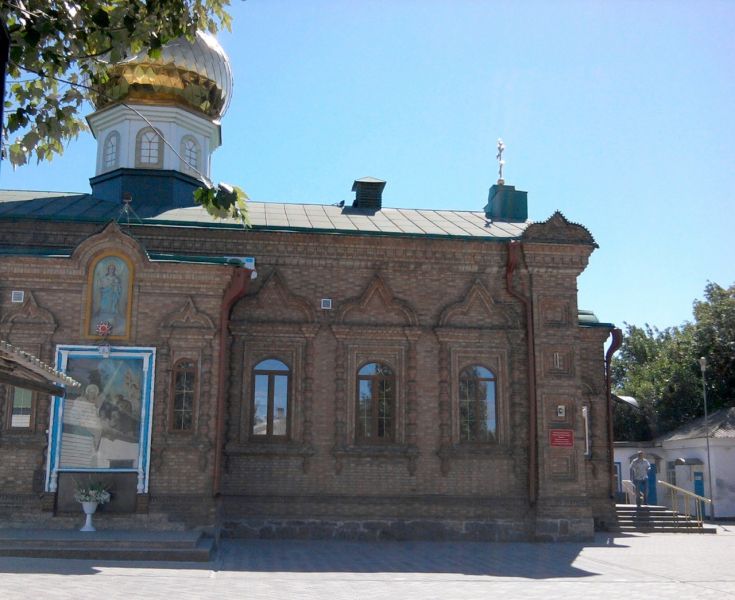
{"x": 652, "y": 478}
{"x": 698, "y": 477}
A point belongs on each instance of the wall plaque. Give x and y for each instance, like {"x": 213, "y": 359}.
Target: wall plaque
{"x": 561, "y": 438}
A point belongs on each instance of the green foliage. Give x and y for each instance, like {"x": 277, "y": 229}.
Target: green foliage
{"x": 58, "y": 51}
{"x": 630, "y": 424}
{"x": 661, "y": 369}
{"x": 92, "y": 491}
{"x": 223, "y": 202}
{"x": 715, "y": 339}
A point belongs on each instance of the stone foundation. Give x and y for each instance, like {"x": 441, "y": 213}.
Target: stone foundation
{"x": 564, "y": 530}
{"x": 378, "y": 530}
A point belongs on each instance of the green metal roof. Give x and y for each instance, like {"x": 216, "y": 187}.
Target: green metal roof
{"x": 335, "y": 219}
{"x": 586, "y": 318}
{"x": 315, "y": 218}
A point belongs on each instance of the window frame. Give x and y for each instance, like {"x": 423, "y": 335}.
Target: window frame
{"x": 158, "y": 164}
{"x": 196, "y": 169}
{"x": 175, "y": 369}
{"x": 374, "y": 438}
{"x": 10, "y": 396}
{"x": 271, "y": 374}
{"x": 115, "y": 162}
{"x": 457, "y": 350}
{"x": 477, "y": 401}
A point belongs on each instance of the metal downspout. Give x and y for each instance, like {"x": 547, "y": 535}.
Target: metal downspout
{"x": 514, "y": 255}
{"x": 237, "y": 288}
{"x": 617, "y": 340}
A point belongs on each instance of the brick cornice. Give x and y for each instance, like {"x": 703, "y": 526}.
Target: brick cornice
{"x": 349, "y": 332}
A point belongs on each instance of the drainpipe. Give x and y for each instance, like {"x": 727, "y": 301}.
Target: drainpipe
{"x": 237, "y": 289}
{"x": 514, "y": 255}
{"x": 617, "y": 340}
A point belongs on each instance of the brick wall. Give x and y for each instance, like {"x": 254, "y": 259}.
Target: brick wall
{"x": 427, "y": 307}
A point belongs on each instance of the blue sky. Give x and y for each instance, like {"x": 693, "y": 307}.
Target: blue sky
{"x": 618, "y": 114}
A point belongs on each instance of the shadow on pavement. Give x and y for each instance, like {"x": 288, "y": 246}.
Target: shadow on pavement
{"x": 514, "y": 560}
{"x": 524, "y": 560}
{"x": 77, "y": 566}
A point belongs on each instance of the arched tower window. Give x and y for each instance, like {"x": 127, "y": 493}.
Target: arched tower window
{"x": 149, "y": 149}
{"x": 190, "y": 155}
{"x": 111, "y": 151}
{"x": 477, "y": 414}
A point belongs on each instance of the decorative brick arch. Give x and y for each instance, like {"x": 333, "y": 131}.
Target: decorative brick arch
{"x": 271, "y": 322}
{"x": 478, "y": 329}
{"x": 558, "y": 230}
{"x": 110, "y": 244}
{"x": 187, "y": 318}
{"x": 478, "y": 303}
{"x": 111, "y": 237}
{"x": 274, "y": 302}
{"x": 31, "y": 328}
{"x": 376, "y": 326}
{"x": 377, "y": 290}
{"x": 28, "y": 318}
{"x": 190, "y": 335}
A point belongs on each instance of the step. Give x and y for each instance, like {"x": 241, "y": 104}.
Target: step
{"x": 189, "y": 546}
{"x": 654, "y": 519}
{"x": 694, "y": 530}
{"x": 668, "y": 517}
{"x": 658, "y": 524}
{"x": 629, "y": 508}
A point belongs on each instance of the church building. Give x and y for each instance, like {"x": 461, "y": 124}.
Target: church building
{"x": 356, "y": 372}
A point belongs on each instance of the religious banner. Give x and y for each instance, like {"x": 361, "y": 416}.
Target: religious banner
{"x": 105, "y": 424}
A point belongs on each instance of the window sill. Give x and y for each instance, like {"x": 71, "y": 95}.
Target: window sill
{"x": 476, "y": 450}
{"x": 269, "y": 449}
{"x": 399, "y": 451}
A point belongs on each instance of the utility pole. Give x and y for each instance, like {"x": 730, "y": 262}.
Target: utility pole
{"x": 703, "y": 366}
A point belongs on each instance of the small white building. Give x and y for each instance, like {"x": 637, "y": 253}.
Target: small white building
{"x": 680, "y": 458}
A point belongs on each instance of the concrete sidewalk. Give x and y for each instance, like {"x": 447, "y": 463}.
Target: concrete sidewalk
{"x": 663, "y": 566}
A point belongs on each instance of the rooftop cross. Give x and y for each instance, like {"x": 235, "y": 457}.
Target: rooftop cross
{"x": 501, "y": 162}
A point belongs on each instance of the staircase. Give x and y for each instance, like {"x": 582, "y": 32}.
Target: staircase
{"x": 189, "y": 546}
{"x": 655, "y": 519}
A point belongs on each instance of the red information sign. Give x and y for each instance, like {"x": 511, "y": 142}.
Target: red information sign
{"x": 561, "y": 438}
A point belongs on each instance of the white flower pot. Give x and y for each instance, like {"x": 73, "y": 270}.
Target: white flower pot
{"x": 89, "y": 510}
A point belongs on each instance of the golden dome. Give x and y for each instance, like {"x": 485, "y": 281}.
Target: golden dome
{"x": 196, "y": 74}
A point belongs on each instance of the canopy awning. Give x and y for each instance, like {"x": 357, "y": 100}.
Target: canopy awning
{"x": 22, "y": 369}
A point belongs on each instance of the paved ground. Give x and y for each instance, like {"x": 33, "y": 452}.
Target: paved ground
{"x": 663, "y": 566}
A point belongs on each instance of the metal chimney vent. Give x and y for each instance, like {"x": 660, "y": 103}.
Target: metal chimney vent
{"x": 368, "y": 193}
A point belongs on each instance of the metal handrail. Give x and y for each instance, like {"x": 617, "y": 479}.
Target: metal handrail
{"x": 697, "y": 500}
{"x": 630, "y": 491}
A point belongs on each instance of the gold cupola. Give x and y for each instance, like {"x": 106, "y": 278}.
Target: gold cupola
{"x": 157, "y": 123}
{"x": 195, "y": 74}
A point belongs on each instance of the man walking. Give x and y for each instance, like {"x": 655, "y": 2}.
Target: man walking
{"x": 639, "y": 474}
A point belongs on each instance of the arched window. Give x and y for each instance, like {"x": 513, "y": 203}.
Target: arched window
{"x": 376, "y": 403}
{"x": 190, "y": 155}
{"x": 149, "y": 149}
{"x": 183, "y": 396}
{"x": 270, "y": 406}
{"x": 477, "y": 414}
{"x": 111, "y": 151}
